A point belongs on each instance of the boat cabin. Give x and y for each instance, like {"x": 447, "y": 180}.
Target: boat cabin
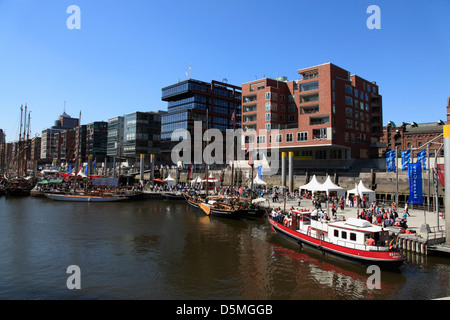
{"x": 358, "y": 232}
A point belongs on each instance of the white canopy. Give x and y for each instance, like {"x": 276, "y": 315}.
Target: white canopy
{"x": 258, "y": 182}
{"x": 313, "y": 185}
{"x": 197, "y": 180}
{"x": 330, "y": 187}
{"x": 354, "y": 191}
{"x": 82, "y": 174}
{"x": 365, "y": 192}
{"x": 211, "y": 178}
{"x": 170, "y": 181}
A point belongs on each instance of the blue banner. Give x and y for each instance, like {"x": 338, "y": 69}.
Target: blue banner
{"x": 415, "y": 183}
{"x": 260, "y": 172}
{"x": 390, "y": 161}
{"x": 422, "y": 158}
{"x": 406, "y": 159}
{"x": 70, "y": 168}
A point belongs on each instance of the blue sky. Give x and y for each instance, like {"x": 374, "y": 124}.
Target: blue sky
{"x": 126, "y": 51}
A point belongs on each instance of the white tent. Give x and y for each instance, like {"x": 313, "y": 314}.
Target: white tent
{"x": 330, "y": 187}
{"x": 312, "y": 186}
{"x": 170, "y": 181}
{"x": 257, "y": 182}
{"x": 366, "y": 193}
{"x": 197, "y": 180}
{"x": 211, "y": 179}
{"x": 82, "y": 174}
{"x": 354, "y": 191}
{"x": 363, "y": 192}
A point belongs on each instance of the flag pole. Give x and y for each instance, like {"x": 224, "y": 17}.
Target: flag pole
{"x": 396, "y": 174}
{"x": 429, "y": 169}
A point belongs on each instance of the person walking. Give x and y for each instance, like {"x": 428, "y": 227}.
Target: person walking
{"x": 406, "y": 209}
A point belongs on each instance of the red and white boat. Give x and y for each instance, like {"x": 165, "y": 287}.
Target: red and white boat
{"x": 356, "y": 239}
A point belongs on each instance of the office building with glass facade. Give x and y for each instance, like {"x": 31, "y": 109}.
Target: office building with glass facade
{"x": 188, "y": 101}
{"x": 135, "y": 133}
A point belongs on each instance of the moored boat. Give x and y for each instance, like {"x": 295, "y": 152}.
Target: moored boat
{"x": 355, "y": 239}
{"x": 85, "y": 197}
{"x": 212, "y": 205}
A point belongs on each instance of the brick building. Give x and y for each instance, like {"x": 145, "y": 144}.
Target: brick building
{"x": 327, "y": 118}
{"x": 413, "y": 135}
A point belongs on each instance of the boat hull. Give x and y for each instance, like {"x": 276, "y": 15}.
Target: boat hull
{"x": 384, "y": 259}
{"x": 82, "y": 198}
{"x": 18, "y": 192}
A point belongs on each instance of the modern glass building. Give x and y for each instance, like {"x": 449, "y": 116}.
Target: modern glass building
{"x": 188, "y": 101}
{"x": 115, "y": 136}
{"x": 97, "y": 138}
{"x": 135, "y": 133}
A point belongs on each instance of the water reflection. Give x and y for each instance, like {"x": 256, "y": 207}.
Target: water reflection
{"x": 168, "y": 250}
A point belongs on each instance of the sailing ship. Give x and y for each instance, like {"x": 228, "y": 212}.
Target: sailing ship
{"x": 86, "y": 192}
{"x": 216, "y": 205}
{"x": 354, "y": 239}
{"x": 22, "y": 185}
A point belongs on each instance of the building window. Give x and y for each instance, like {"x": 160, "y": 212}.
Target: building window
{"x": 268, "y": 95}
{"x": 279, "y": 138}
{"x": 349, "y": 112}
{"x": 319, "y": 133}
{"x": 268, "y": 126}
{"x": 289, "y": 137}
{"x": 291, "y": 118}
{"x": 302, "y": 136}
{"x": 321, "y": 154}
{"x": 309, "y": 86}
{"x": 261, "y": 139}
{"x": 348, "y": 89}
{"x": 349, "y": 101}
{"x": 267, "y": 116}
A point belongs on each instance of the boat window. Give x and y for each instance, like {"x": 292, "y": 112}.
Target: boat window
{"x": 336, "y": 233}
{"x": 353, "y": 236}
{"x": 344, "y": 235}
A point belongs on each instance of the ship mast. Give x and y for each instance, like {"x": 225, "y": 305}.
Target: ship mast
{"x": 20, "y": 141}
{"x": 24, "y": 149}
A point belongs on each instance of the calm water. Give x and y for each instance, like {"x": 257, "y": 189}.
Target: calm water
{"x": 156, "y": 249}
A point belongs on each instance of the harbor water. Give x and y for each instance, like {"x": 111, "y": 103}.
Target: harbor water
{"x": 155, "y": 249}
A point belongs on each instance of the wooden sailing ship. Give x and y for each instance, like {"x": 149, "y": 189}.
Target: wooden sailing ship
{"x": 22, "y": 184}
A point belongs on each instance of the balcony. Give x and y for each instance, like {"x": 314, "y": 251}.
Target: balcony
{"x": 309, "y": 98}
{"x": 248, "y": 99}
{"x": 249, "y": 118}
{"x": 250, "y": 108}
